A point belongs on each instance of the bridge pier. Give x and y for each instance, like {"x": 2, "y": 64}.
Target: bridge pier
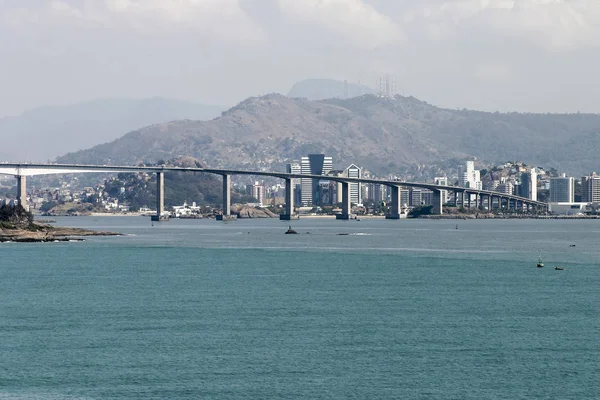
{"x": 396, "y": 207}
{"x": 437, "y": 203}
{"x": 346, "y": 206}
{"x": 289, "y": 200}
{"x": 22, "y": 191}
{"x": 226, "y": 199}
{"x": 160, "y": 198}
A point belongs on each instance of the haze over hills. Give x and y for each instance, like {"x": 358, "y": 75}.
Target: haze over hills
{"x": 320, "y": 89}
{"x": 378, "y": 133}
{"x": 45, "y": 133}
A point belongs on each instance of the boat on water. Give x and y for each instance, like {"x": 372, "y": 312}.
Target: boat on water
{"x": 559, "y": 268}
{"x": 290, "y": 231}
{"x": 540, "y": 264}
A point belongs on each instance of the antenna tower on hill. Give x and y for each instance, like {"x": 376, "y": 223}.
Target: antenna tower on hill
{"x": 386, "y": 86}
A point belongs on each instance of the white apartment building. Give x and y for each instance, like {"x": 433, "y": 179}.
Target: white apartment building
{"x": 355, "y": 188}
{"x": 590, "y": 186}
{"x": 468, "y": 176}
{"x": 529, "y": 184}
{"x": 562, "y": 189}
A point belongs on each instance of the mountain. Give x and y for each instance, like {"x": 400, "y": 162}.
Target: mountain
{"x": 45, "y": 133}
{"x": 382, "y": 134}
{"x": 320, "y": 89}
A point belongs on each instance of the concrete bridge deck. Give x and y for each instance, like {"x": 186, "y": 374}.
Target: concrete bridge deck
{"x": 22, "y": 170}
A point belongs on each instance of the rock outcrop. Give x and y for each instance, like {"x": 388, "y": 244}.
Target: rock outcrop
{"x": 253, "y": 212}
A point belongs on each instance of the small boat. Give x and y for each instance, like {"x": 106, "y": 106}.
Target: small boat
{"x": 290, "y": 231}
{"x": 559, "y": 269}
{"x": 571, "y": 245}
{"x": 540, "y": 264}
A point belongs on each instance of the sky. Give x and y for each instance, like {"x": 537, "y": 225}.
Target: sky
{"x": 493, "y": 55}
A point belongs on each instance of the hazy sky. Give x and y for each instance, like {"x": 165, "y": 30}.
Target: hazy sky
{"x": 523, "y": 55}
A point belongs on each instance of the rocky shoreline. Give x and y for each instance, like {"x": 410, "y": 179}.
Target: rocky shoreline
{"x": 44, "y": 234}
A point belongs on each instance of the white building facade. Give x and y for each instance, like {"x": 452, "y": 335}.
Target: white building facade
{"x": 562, "y": 189}
{"x": 355, "y": 188}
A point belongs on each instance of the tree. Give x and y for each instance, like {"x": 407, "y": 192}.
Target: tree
{"x": 420, "y": 210}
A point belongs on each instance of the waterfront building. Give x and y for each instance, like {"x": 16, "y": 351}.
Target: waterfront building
{"x": 590, "y": 186}
{"x": 355, "y": 188}
{"x": 562, "y": 189}
{"x": 528, "y": 187}
{"x": 315, "y": 164}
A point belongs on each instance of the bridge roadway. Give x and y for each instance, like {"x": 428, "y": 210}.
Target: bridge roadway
{"x": 22, "y": 170}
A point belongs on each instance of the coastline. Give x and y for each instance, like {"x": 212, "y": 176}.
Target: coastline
{"x": 37, "y": 233}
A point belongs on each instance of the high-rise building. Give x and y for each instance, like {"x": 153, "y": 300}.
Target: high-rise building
{"x": 258, "y": 192}
{"x": 294, "y": 168}
{"x": 562, "y": 189}
{"x": 314, "y": 164}
{"x": 355, "y": 187}
{"x": 468, "y": 176}
{"x": 528, "y": 187}
{"x": 590, "y": 186}
{"x": 405, "y": 198}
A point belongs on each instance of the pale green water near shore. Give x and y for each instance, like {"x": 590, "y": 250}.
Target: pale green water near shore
{"x": 396, "y": 309}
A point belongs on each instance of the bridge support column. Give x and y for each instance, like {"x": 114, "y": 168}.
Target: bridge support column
{"x": 437, "y": 203}
{"x": 455, "y": 198}
{"x": 160, "y": 197}
{"x": 489, "y": 198}
{"x": 22, "y": 191}
{"x": 226, "y": 199}
{"x": 395, "y": 206}
{"x": 289, "y": 201}
{"x": 346, "y": 207}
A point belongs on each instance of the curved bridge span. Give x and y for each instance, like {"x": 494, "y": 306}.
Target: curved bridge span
{"x": 22, "y": 170}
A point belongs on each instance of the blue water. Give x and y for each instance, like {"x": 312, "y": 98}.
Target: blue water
{"x": 396, "y": 309}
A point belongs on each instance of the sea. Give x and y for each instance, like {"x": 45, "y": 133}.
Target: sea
{"x": 360, "y": 309}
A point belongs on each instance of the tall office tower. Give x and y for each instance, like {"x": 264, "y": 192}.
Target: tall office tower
{"x": 528, "y": 187}
{"x": 314, "y": 164}
{"x": 355, "y": 188}
{"x": 590, "y": 186}
{"x": 562, "y": 189}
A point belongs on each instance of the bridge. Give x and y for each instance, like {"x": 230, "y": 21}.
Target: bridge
{"x": 492, "y": 199}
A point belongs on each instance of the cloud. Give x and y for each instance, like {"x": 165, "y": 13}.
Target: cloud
{"x": 550, "y": 23}
{"x": 353, "y": 20}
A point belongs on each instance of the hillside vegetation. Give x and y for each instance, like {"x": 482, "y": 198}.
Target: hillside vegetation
{"x": 381, "y": 134}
